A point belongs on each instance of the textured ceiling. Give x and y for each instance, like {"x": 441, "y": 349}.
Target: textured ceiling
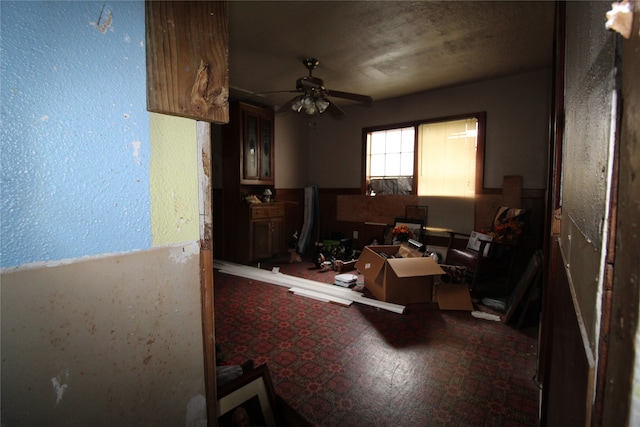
{"x": 383, "y": 49}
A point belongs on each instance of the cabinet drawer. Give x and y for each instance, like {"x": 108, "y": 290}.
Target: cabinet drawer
{"x": 258, "y": 212}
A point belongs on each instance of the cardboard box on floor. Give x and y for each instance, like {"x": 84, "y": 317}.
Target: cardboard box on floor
{"x": 407, "y": 280}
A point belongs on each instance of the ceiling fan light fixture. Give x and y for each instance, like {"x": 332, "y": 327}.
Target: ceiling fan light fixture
{"x": 313, "y": 97}
{"x": 308, "y": 101}
{"x": 296, "y": 105}
{"x": 309, "y": 106}
{"x": 322, "y": 104}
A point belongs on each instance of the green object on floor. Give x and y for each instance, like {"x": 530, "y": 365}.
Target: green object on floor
{"x": 328, "y": 243}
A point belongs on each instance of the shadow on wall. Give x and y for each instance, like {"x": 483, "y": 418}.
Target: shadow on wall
{"x": 451, "y": 213}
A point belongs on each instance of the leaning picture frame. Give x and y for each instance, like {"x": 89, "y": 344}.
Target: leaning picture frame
{"x": 250, "y": 398}
{"x": 415, "y": 225}
{"x": 417, "y": 212}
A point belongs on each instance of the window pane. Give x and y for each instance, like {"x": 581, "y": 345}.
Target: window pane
{"x": 406, "y": 164}
{"x": 377, "y": 143}
{"x": 408, "y": 140}
{"x": 377, "y": 165}
{"x": 394, "y": 141}
{"x": 392, "y": 165}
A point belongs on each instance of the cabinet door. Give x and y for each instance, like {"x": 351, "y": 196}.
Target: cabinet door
{"x": 257, "y": 156}
{"x": 277, "y": 245}
{"x": 261, "y": 239}
{"x": 250, "y": 147}
{"x": 266, "y": 150}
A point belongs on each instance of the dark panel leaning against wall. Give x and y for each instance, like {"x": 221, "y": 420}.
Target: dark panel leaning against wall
{"x": 626, "y": 268}
{"x": 293, "y": 199}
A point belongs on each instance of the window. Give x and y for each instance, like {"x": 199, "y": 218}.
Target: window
{"x": 390, "y": 160}
{"x": 440, "y": 157}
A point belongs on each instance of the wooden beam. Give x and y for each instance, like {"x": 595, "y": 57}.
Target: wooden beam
{"x": 203, "y": 133}
{"x": 187, "y": 60}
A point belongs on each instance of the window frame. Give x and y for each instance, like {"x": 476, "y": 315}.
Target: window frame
{"x": 480, "y": 151}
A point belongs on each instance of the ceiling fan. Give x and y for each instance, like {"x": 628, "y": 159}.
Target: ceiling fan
{"x": 314, "y": 98}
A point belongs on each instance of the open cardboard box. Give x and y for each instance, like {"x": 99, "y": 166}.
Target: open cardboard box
{"x": 407, "y": 280}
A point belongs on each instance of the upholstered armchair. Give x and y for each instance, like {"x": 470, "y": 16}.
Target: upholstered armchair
{"x": 489, "y": 255}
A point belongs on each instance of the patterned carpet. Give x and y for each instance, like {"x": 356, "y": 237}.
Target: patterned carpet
{"x": 363, "y": 366}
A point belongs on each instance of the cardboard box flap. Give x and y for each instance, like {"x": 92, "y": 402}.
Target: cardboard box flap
{"x": 369, "y": 263}
{"x": 409, "y": 267}
{"x": 454, "y": 297}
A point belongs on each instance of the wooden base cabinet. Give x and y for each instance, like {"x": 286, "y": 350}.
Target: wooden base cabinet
{"x": 266, "y": 230}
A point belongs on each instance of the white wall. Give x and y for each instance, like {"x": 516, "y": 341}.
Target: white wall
{"x": 517, "y": 131}
{"x": 291, "y": 151}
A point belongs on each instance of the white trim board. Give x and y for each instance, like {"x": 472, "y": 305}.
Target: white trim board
{"x": 317, "y": 290}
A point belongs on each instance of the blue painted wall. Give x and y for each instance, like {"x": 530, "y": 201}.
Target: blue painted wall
{"x": 75, "y": 131}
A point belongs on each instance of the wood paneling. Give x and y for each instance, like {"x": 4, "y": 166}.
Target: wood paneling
{"x": 187, "y": 63}
{"x": 334, "y": 221}
{"x": 571, "y": 368}
{"x": 626, "y": 269}
{"x": 378, "y": 209}
{"x": 329, "y": 223}
{"x": 293, "y": 200}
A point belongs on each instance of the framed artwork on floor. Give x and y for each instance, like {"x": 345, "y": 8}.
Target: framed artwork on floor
{"x": 414, "y": 225}
{"x": 249, "y": 399}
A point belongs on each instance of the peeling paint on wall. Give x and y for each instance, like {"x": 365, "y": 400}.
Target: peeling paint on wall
{"x": 182, "y": 254}
{"x": 136, "y": 152}
{"x": 178, "y": 247}
{"x": 127, "y": 327}
{"x": 58, "y": 387}
{"x": 103, "y": 24}
{"x": 196, "y": 412}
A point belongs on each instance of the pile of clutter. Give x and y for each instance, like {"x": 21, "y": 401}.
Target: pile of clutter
{"x": 335, "y": 254}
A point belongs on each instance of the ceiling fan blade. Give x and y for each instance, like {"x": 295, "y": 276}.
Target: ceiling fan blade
{"x": 352, "y": 96}
{"x": 235, "y": 91}
{"x": 272, "y": 92}
{"x": 335, "y": 111}
{"x": 286, "y": 108}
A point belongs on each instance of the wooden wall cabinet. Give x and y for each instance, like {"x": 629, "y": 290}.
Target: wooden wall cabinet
{"x": 248, "y": 232}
